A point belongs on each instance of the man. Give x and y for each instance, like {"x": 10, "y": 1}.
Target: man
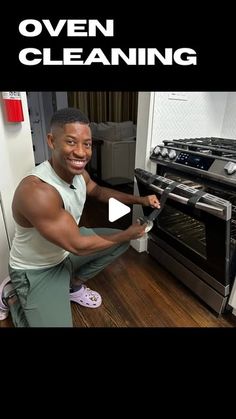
{"x": 51, "y": 257}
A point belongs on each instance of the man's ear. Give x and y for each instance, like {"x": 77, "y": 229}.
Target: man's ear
{"x": 50, "y": 141}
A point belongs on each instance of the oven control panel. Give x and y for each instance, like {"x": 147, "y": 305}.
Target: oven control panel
{"x": 168, "y": 155}
{"x": 210, "y": 162}
{"x": 200, "y": 162}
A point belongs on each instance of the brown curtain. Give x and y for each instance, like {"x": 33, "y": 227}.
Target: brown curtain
{"x": 106, "y": 106}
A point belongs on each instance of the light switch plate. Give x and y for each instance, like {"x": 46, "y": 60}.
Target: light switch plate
{"x": 178, "y": 96}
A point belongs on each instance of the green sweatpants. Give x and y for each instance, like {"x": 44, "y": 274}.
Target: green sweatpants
{"x": 43, "y": 294}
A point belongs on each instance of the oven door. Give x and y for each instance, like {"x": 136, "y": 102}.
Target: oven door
{"x": 196, "y": 232}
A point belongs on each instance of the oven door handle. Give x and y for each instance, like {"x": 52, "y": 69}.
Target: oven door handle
{"x": 209, "y": 208}
{"x": 200, "y": 205}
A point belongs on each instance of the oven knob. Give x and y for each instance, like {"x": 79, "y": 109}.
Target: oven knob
{"x": 156, "y": 150}
{"x": 172, "y": 154}
{"x": 164, "y": 152}
{"x": 230, "y": 168}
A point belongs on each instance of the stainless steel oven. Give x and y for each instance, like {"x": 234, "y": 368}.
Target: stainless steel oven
{"x": 194, "y": 236}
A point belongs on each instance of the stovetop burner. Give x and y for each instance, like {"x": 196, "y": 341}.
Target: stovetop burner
{"x": 215, "y": 142}
{"x": 224, "y": 147}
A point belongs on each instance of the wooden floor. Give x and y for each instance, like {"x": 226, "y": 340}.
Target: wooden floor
{"x": 138, "y": 292}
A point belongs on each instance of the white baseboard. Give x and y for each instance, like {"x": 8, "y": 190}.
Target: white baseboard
{"x": 140, "y": 245}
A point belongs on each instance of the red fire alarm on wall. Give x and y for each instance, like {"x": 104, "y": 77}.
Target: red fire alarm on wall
{"x": 13, "y": 106}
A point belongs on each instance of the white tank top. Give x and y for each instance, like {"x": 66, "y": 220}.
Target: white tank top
{"x": 29, "y": 249}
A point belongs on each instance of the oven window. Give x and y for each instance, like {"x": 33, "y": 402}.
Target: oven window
{"x": 190, "y": 231}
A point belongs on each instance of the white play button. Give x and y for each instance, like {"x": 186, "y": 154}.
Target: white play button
{"x": 116, "y": 209}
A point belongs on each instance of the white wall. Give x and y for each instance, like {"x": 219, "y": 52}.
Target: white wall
{"x": 143, "y": 139}
{"x": 144, "y": 127}
{"x": 201, "y": 115}
{"x": 229, "y": 122}
{"x": 16, "y": 159}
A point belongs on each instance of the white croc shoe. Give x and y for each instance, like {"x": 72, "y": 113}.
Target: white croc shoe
{"x": 86, "y": 297}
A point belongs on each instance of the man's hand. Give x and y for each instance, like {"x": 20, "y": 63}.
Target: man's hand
{"x": 135, "y": 231}
{"x": 150, "y": 201}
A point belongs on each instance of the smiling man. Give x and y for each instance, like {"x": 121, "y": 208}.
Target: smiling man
{"x": 51, "y": 256}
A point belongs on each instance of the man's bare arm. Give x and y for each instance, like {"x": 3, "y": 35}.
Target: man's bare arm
{"x": 41, "y": 207}
{"x": 103, "y": 194}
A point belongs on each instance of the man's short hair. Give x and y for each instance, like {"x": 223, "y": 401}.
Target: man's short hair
{"x": 68, "y": 116}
